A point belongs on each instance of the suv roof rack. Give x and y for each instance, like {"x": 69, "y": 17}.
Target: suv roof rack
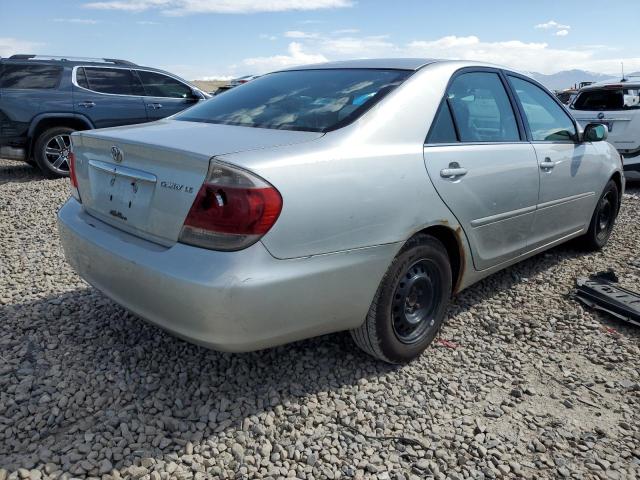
{"x": 115, "y": 61}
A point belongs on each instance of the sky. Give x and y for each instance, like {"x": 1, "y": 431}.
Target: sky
{"x": 207, "y": 39}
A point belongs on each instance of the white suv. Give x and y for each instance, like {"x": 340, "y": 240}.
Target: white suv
{"x": 615, "y": 104}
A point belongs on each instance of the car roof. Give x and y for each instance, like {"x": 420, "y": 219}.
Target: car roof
{"x": 71, "y": 61}
{"x": 391, "y": 64}
{"x": 384, "y": 63}
{"x": 628, "y": 82}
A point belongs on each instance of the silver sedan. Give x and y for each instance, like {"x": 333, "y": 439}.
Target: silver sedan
{"x": 354, "y": 196}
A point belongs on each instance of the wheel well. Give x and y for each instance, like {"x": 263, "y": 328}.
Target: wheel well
{"x": 47, "y": 123}
{"x": 453, "y": 243}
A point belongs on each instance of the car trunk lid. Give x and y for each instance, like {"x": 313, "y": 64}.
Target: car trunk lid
{"x": 143, "y": 179}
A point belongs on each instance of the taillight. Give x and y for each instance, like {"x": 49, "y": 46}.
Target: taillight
{"x": 232, "y": 210}
{"x": 72, "y": 177}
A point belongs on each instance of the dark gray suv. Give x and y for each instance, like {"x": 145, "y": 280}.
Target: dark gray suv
{"x": 44, "y": 99}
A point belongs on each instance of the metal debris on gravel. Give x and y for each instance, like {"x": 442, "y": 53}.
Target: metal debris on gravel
{"x": 525, "y": 384}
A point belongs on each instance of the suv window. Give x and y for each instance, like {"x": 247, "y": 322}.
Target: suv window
{"x": 482, "y": 109}
{"x": 30, "y": 76}
{"x": 159, "y": 85}
{"x": 443, "y": 130}
{"x": 547, "y": 120}
{"x": 116, "y": 81}
{"x": 609, "y": 99}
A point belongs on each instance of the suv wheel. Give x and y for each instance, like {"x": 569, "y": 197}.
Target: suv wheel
{"x": 51, "y": 151}
{"x": 410, "y": 304}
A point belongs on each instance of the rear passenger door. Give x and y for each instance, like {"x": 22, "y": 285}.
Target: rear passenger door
{"x": 569, "y": 170}
{"x": 108, "y": 96}
{"x": 164, "y": 95}
{"x": 482, "y": 166}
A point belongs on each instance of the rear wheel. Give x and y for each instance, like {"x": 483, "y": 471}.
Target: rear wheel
{"x": 51, "y": 151}
{"x": 603, "y": 219}
{"x": 410, "y": 303}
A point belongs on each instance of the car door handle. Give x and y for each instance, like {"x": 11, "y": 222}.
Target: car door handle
{"x": 87, "y": 104}
{"x": 155, "y": 106}
{"x": 454, "y": 171}
{"x": 547, "y": 164}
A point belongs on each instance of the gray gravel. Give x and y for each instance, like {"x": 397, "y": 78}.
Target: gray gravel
{"x": 523, "y": 382}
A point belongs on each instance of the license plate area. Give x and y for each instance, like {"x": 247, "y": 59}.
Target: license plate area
{"x": 121, "y": 193}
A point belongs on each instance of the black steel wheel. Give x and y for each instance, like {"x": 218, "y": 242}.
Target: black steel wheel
{"x": 410, "y": 304}
{"x": 603, "y": 218}
{"x": 415, "y": 301}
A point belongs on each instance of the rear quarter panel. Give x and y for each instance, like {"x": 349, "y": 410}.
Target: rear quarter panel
{"x": 363, "y": 185}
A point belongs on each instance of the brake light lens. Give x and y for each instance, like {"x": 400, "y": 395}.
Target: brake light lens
{"x": 72, "y": 177}
{"x": 232, "y": 210}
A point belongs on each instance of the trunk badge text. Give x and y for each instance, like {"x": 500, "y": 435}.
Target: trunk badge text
{"x": 118, "y": 214}
{"x": 176, "y": 186}
{"x": 117, "y": 154}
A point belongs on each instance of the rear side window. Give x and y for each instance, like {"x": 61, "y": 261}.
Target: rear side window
{"x": 30, "y": 76}
{"x": 481, "y": 108}
{"x": 159, "y": 85}
{"x": 115, "y": 81}
{"x": 608, "y": 99}
{"x": 547, "y": 120}
{"x": 443, "y": 130}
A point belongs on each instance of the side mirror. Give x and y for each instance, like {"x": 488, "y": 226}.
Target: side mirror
{"x": 197, "y": 94}
{"x": 595, "y": 132}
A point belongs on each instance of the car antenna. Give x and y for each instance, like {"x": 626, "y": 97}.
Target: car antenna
{"x": 622, "y": 67}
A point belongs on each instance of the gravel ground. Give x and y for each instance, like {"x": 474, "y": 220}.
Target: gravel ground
{"x": 523, "y": 382}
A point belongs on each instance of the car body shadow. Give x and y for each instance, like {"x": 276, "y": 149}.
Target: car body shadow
{"x": 140, "y": 384}
{"x": 18, "y": 172}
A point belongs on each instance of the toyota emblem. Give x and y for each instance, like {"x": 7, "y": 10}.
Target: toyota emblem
{"x": 116, "y": 154}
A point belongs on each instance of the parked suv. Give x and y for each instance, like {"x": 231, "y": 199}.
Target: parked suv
{"x": 615, "y": 104}
{"x": 44, "y": 99}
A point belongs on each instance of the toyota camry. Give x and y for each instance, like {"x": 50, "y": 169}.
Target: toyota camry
{"x": 356, "y": 195}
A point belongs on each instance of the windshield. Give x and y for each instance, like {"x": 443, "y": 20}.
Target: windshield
{"x": 608, "y": 99}
{"x": 308, "y": 100}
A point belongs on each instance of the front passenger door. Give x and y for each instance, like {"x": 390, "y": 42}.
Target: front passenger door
{"x": 164, "y": 95}
{"x": 483, "y": 168}
{"x": 568, "y": 170}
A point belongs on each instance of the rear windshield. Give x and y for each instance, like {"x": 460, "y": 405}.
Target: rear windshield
{"x": 29, "y": 76}
{"x": 307, "y": 100}
{"x": 608, "y": 99}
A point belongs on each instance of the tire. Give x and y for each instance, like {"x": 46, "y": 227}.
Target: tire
{"x": 410, "y": 303}
{"x": 602, "y": 220}
{"x": 51, "y": 151}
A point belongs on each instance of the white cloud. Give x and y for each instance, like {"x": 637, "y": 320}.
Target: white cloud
{"x": 516, "y": 54}
{"x": 562, "y": 33}
{"x": 185, "y": 7}
{"x": 10, "y": 46}
{"x": 79, "y": 21}
{"x": 371, "y": 46}
{"x": 299, "y": 34}
{"x": 552, "y": 24}
{"x": 266, "y": 36}
{"x": 345, "y": 31}
{"x": 147, "y": 22}
{"x": 295, "y": 56}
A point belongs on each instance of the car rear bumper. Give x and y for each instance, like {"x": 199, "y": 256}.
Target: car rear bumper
{"x": 231, "y": 301}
